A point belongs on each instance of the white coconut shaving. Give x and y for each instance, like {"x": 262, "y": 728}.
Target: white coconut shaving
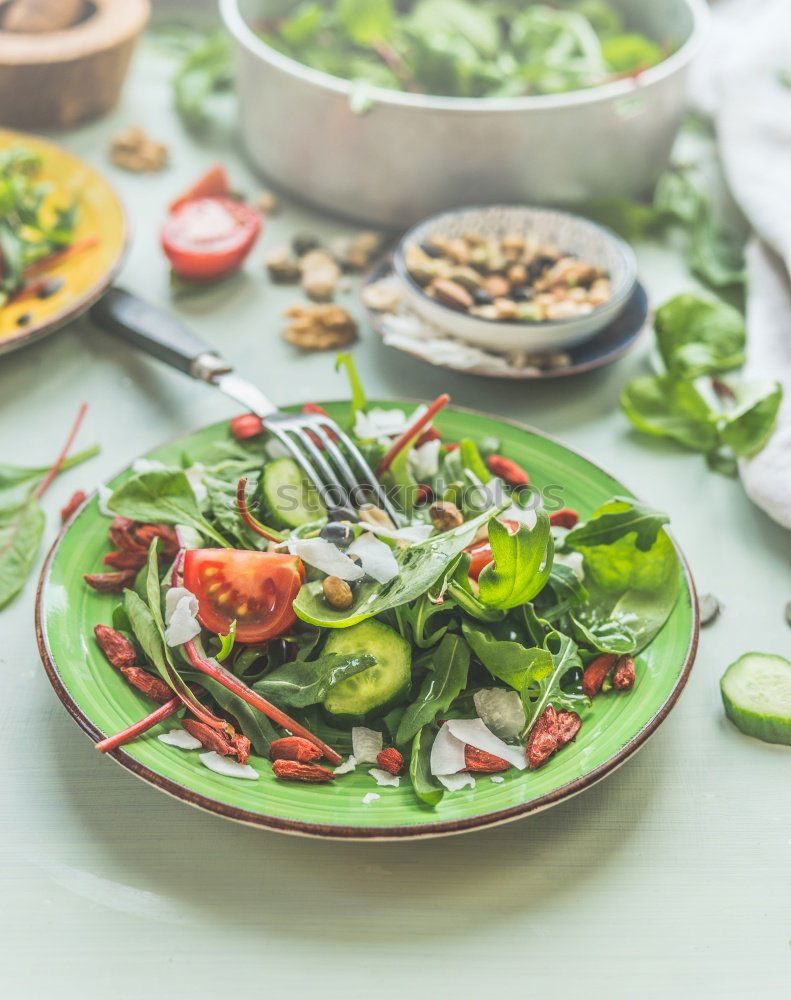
{"x": 103, "y": 496}
{"x": 522, "y": 515}
{"x": 378, "y": 422}
{"x": 412, "y": 534}
{"x": 189, "y": 538}
{"x": 476, "y": 734}
{"x": 447, "y": 753}
{"x": 325, "y": 556}
{"x": 366, "y": 745}
{"x": 181, "y": 610}
{"x": 347, "y": 766}
{"x": 180, "y": 738}
{"x": 195, "y": 475}
{"x": 453, "y": 782}
{"x": 370, "y": 797}
{"x": 574, "y": 561}
{"x": 384, "y": 778}
{"x": 376, "y": 557}
{"x": 228, "y": 766}
{"x": 501, "y": 711}
{"x": 423, "y": 461}
{"x": 497, "y": 779}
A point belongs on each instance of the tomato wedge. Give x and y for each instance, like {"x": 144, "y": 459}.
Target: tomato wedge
{"x": 214, "y": 183}
{"x": 255, "y": 588}
{"x": 208, "y": 237}
{"x": 481, "y": 552}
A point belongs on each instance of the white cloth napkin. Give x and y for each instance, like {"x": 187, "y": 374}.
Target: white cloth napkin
{"x": 740, "y": 81}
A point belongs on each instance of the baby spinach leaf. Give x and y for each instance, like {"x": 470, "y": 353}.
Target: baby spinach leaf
{"x": 550, "y": 679}
{"x": 666, "y": 406}
{"x": 420, "y": 566}
{"x": 563, "y": 591}
{"x": 301, "y": 683}
{"x": 459, "y": 590}
{"x": 446, "y": 679}
{"x": 521, "y": 565}
{"x": 614, "y": 521}
{"x": 750, "y": 422}
{"x": 424, "y": 784}
{"x": 698, "y": 336}
{"x": 604, "y": 636}
{"x": 162, "y": 495}
{"x": 505, "y": 659}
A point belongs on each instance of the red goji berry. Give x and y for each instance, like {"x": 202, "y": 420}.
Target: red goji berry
{"x": 118, "y": 650}
{"x": 432, "y": 434}
{"x": 563, "y": 518}
{"x": 111, "y": 583}
{"x": 124, "y": 560}
{"x": 595, "y": 673}
{"x": 146, "y": 533}
{"x": 294, "y": 748}
{"x": 248, "y": 425}
{"x": 510, "y": 472}
{"x": 483, "y": 762}
{"x": 390, "y": 760}
{"x": 240, "y": 745}
{"x": 544, "y": 738}
{"x": 77, "y": 500}
{"x": 292, "y": 770}
{"x": 210, "y": 738}
{"x": 623, "y": 674}
{"x": 569, "y": 724}
{"x": 423, "y": 494}
{"x": 151, "y": 686}
{"x": 120, "y": 534}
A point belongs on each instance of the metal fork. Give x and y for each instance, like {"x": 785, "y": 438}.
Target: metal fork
{"x": 312, "y": 439}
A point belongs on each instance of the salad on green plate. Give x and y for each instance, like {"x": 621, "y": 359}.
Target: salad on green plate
{"x": 307, "y": 662}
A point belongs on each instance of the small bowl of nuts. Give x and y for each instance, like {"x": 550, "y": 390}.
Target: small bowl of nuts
{"x": 509, "y": 277}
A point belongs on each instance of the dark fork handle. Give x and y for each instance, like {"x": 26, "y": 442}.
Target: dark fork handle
{"x": 157, "y": 333}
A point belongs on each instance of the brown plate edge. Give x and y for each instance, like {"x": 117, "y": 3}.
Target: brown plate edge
{"x": 385, "y": 833}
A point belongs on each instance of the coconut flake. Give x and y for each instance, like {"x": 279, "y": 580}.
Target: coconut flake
{"x": 378, "y": 422}
{"x": 181, "y": 610}
{"x": 180, "y": 738}
{"x": 447, "y": 753}
{"x": 228, "y": 766}
{"x": 189, "y": 538}
{"x": 412, "y": 533}
{"x": 195, "y": 474}
{"x": 103, "y": 495}
{"x": 384, "y": 777}
{"x": 502, "y": 711}
{"x": 574, "y": 561}
{"x": 423, "y": 461}
{"x": 143, "y": 465}
{"x": 377, "y": 557}
{"x": 453, "y": 782}
{"x": 474, "y": 732}
{"x": 522, "y": 515}
{"x": 497, "y": 779}
{"x": 348, "y": 765}
{"x": 366, "y": 745}
{"x": 275, "y": 448}
{"x": 369, "y": 797}
{"x": 325, "y": 556}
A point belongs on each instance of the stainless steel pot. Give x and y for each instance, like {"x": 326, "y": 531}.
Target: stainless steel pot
{"x": 411, "y": 155}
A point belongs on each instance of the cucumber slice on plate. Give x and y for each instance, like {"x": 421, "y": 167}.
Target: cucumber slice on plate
{"x": 372, "y": 691}
{"x": 289, "y": 498}
{"x": 756, "y": 692}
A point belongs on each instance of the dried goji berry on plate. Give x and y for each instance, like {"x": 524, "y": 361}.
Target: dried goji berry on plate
{"x": 595, "y": 672}
{"x": 146, "y": 533}
{"x": 294, "y": 748}
{"x": 423, "y": 494}
{"x": 77, "y": 500}
{"x": 569, "y": 724}
{"x": 623, "y": 674}
{"x": 390, "y": 760}
{"x": 563, "y": 518}
{"x": 240, "y": 745}
{"x": 116, "y": 647}
{"x": 544, "y": 738}
{"x": 507, "y": 470}
{"x": 111, "y": 583}
{"x": 151, "y": 686}
{"x": 210, "y": 738}
{"x": 292, "y": 770}
{"x": 430, "y": 434}
{"x": 248, "y": 425}
{"x": 483, "y": 762}
{"x": 125, "y": 560}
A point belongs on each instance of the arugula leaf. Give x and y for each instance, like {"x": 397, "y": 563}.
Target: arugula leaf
{"x": 424, "y": 784}
{"x": 749, "y": 424}
{"x": 521, "y": 565}
{"x": 665, "y": 406}
{"x": 566, "y": 589}
{"x": 300, "y": 683}
{"x": 699, "y": 336}
{"x": 550, "y": 679}
{"x": 414, "y": 620}
{"x": 616, "y": 520}
{"x": 162, "y": 495}
{"x": 446, "y": 679}
{"x": 505, "y": 659}
{"x": 420, "y": 566}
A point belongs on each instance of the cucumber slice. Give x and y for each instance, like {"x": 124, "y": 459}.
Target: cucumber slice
{"x": 289, "y": 498}
{"x": 372, "y": 691}
{"x": 756, "y": 692}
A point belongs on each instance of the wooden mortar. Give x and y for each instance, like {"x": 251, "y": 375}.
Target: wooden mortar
{"x": 56, "y": 79}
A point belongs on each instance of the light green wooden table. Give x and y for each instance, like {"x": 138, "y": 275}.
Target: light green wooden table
{"x": 670, "y": 878}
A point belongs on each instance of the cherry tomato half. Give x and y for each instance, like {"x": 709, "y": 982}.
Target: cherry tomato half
{"x": 207, "y": 238}
{"x": 255, "y": 588}
{"x": 213, "y": 183}
{"x": 481, "y": 552}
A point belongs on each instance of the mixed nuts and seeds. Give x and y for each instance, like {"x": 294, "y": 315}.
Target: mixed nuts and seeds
{"x": 510, "y": 278}
{"x": 317, "y": 268}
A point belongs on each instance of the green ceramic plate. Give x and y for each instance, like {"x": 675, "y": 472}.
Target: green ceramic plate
{"x": 102, "y": 703}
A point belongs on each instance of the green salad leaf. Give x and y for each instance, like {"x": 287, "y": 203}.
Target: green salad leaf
{"x": 552, "y": 678}
{"x": 425, "y": 786}
{"x": 751, "y": 419}
{"x": 521, "y": 565}
{"x": 21, "y": 530}
{"x": 356, "y": 390}
{"x": 615, "y": 520}
{"x": 666, "y": 406}
{"x": 699, "y": 336}
{"x": 444, "y": 682}
{"x": 302, "y": 683}
{"x": 506, "y": 659}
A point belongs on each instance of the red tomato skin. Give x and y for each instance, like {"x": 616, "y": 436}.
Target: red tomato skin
{"x": 214, "y": 182}
{"x": 209, "y": 258}
{"x": 481, "y": 554}
{"x": 245, "y": 576}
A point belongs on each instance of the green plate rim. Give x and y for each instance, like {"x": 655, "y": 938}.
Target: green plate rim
{"x": 379, "y": 833}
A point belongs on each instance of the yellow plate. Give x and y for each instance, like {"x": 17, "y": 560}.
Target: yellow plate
{"x": 88, "y": 272}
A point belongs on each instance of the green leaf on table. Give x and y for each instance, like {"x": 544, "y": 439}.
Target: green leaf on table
{"x": 420, "y": 566}
{"x": 444, "y": 682}
{"x": 553, "y": 678}
{"x": 698, "y": 336}
{"x": 424, "y": 784}
{"x": 302, "y": 683}
{"x": 751, "y": 420}
{"x": 21, "y": 530}
{"x": 670, "y": 407}
{"x": 521, "y": 565}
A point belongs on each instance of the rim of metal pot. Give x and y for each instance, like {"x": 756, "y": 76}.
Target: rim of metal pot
{"x": 244, "y": 35}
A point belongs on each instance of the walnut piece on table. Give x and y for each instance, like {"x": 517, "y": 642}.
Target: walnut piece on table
{"x": 319, "y": 328}
{"x": 133, "y": 150}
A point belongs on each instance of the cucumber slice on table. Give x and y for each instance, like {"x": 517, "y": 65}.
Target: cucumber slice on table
{"x": 289, "y": 498}
{"x": 756, "y": 692}
{"x": 372, "y": 691}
